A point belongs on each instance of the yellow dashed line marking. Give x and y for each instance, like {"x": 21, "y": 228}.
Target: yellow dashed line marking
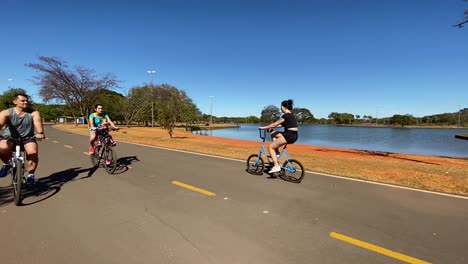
{"x": 378, "y": 249}
{"x": 193, "y": 188}
{"x": 55, "y": 141}
{"x": 86, "y": 153}
{"x": 67, "y": 146}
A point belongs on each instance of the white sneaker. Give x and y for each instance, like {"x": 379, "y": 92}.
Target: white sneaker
{"x": 275, "y": 169}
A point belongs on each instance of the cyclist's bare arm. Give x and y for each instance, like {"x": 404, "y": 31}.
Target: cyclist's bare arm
{"x": 38, "y": 126}
{"x": 112, "y": 124}
{"x": 275, "y": 124}
{"x": 4, "y": 115}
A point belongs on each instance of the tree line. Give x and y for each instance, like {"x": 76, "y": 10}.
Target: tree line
{"x": 73, "y": 92}
{"x": 459, "y": 119}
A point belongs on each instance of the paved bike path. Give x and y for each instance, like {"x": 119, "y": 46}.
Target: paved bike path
{"x": 140, "y": 215}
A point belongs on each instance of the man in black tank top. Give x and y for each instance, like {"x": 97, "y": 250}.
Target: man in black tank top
{"x": 26, "y": 124}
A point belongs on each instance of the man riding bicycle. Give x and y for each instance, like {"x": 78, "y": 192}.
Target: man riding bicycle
{"x": 23, "y": 123}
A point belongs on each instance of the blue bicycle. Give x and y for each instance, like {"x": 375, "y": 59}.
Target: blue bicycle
{"x": 291, "y": 169}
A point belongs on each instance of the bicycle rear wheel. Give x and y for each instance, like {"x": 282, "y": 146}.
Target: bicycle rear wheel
{"x": 17, "y": 173}
{"x": 292, "y": 171}
{"x": 110, "y": 159}
{"x": 255, "y": 164}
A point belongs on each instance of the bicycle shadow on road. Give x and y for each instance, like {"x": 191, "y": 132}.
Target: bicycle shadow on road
{"x": 6, "y": 195}
{"x": 124, "y": 162}
{"x": 49, "y": 186}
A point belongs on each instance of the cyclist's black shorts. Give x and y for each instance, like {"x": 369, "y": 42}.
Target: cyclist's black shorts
{"x": 24, "y": 140}
{"x": 290, "y": 136}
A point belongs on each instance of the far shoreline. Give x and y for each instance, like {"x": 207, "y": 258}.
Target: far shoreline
{"x": 399, "y": 127}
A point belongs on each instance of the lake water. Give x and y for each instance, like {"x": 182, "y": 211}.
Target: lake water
{"x": 426, "y": 141}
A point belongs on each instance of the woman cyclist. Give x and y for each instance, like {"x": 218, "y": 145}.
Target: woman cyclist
{"x": 95, "y": 121}
{"x": 288, "y": 136}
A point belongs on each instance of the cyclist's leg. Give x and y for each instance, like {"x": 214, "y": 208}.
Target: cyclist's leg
{"x": 5, "y": 154}
{"x": 5, "y": 149}
{"x": 92, "y": 139}
{"x": 274, "y": 146}
{"x": 274, "y": 136}
{"x": 31, "y": 149}
{"x": 113, "y": 143}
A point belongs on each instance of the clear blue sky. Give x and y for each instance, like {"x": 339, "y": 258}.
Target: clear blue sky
{"x": 356, "y": 56}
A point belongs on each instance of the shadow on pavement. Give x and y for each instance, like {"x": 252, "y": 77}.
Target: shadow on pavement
{"x": 45, "y": 187}
{"x": 6, "y": 194}
{"x": 124, "y": 162}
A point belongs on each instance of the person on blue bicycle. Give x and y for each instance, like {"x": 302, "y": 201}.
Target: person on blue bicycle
{"x": 98, "y": 120}
{"x": 21, "y": 122}
{"x": 288, "y": 136}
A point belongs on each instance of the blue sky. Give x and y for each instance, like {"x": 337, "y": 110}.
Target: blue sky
{"x": 363, "y": 57}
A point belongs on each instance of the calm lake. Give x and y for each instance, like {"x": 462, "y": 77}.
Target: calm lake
{"x": 427, "y": 141}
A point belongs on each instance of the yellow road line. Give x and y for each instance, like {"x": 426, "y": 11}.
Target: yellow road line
{"x": 86, "y": 153}
{"x": 377, "y": 249}
{"x": 67, "y": 146}
{"x": 55, "y": 141}
{"x": 193, "y": 188}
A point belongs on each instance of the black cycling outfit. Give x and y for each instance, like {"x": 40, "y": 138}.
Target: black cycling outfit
{"x": 289, "y": 122}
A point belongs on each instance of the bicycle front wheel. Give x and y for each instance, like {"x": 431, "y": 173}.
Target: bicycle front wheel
{"x": 292, "y": 171}
{"x": 17, "y": 173}
{"x": 110, "y": 159}
{"x": 255, "y": 164}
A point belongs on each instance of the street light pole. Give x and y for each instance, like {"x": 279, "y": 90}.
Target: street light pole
{"x": 211, "y": 109}
{"x": 152, "y": 72}
{"x": 10, "y": 80}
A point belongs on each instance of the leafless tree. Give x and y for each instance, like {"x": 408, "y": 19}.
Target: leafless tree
{"x": 464, "y": 21}
{"x": 76, "y": 88}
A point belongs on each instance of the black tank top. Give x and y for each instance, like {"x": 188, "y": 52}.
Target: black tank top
{"x": 289, "y": 121}
{"x": 19, "y": 126}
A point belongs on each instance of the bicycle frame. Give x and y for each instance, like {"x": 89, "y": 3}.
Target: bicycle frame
{"x": 17, "y": 154}
{"x": 18, "y": 165}
{"x": 291, "y": 170}
{"x": 264, "y": 151}
{"x": 104, "y": 151}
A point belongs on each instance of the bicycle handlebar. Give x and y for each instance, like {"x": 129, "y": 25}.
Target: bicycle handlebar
{"x": 105, "y": 128}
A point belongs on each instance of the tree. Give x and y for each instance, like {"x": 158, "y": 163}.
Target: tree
{"x": 251, "y": 119}
{"x": 270, "y": 114}
{"x": 341, "y": 118}
{"x": 78, "y": 88}
{"x": 135, "y": 101}
{"x": 464, "y": 21}
{"x": 51, "y": 112}
{"x": 6, "y": 99}
{"x": 303, "y": 115}
{"x": 173, "y": 105}
{"x": 402, "y": 120}
{"x": 110, "y": 101}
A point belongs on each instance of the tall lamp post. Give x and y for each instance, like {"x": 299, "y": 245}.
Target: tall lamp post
{"x": 152, "y": 72}
{"x": 211, "y": 110}
{"x": 9, "y": 81}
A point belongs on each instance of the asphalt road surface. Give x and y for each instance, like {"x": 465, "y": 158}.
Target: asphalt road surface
{"x": 164, "y": 206}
